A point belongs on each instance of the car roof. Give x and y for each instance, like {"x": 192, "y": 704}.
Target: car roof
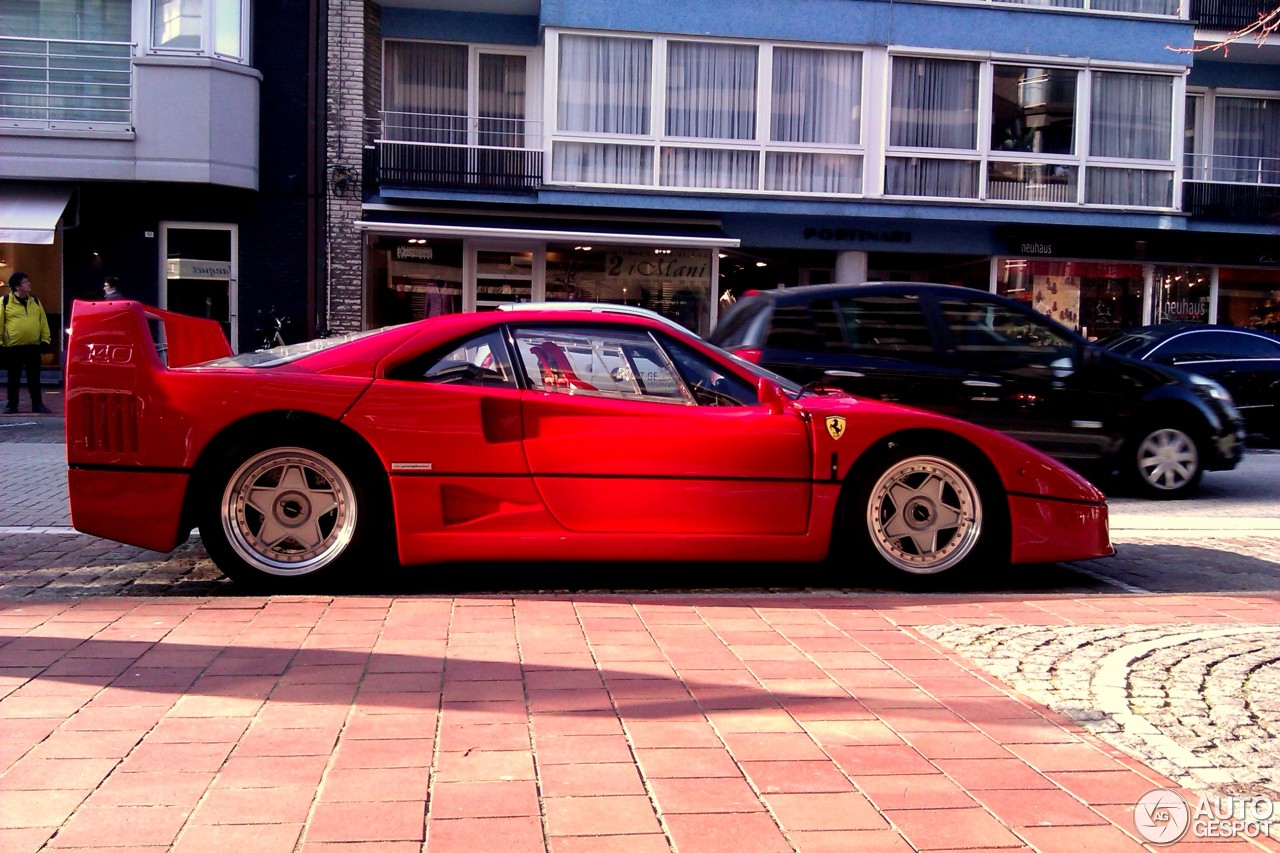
{"x": 810, "y": 292}
{"x": 1160, "y": 331}
{"x": 595, "y": 308}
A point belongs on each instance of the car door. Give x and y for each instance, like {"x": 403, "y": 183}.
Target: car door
{"x": 1026, "y": 377}
{"x": 619, "y": 441}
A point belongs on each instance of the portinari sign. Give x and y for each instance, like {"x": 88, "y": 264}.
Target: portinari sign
{"x": 857, "y": 235}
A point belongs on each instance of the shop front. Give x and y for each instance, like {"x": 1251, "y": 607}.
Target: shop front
{"x": 416, "y": 271}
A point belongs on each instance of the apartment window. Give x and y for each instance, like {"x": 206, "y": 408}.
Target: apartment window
{"x": 933, "y": 108}
{"x": 714, "y": 115}
{"x": 1233, "y": 139}
{"x": 217, "y": 27}
{"x": 1168, "y": 8}
{"x": 1034, "y": 149}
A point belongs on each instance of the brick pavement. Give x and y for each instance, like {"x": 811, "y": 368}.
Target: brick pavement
{"x": 185, "y": 716}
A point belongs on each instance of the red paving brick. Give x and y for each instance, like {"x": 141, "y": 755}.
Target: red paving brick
{"x": 644, "y": 724}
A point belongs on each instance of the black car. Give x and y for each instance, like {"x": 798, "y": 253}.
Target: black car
{"x": 998, "y": 362}
{"x": 1245, "y": 362}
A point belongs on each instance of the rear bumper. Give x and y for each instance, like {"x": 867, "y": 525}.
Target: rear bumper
{"x": 1049, "y": 531}
{"x": 142, "y": 508}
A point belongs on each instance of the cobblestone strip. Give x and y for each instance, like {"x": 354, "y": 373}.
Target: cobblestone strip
{"x": 1198, "y": 703}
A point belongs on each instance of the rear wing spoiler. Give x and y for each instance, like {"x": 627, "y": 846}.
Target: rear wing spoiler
{"x": 119, "y": 331}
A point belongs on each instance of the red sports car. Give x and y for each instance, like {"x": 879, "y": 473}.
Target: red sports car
{"x": 535, "y": 435}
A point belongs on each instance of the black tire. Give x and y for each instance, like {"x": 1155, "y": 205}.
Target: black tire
{"x": 1163, "y": 460}
{"x": 917, "y": 513}
{"x": 279, "y": 517}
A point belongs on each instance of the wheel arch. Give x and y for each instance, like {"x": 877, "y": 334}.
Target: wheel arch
{"x": 293, "y": 427}
{"x": 934, "y": 442}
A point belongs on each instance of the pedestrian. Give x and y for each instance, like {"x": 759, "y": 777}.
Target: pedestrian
{"x": 111, "y": 288}
{"x": 24, "y": 334}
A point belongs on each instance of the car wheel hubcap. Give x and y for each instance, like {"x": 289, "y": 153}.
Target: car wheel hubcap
{"x": 1167, "y": 459}
{"x": 924, "y": 515}
{"x": 288, "y": 511}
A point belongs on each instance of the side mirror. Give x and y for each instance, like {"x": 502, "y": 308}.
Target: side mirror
{"x": 771, "y": 396}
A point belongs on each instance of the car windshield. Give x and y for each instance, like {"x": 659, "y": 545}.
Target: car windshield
{"x": 1127, "y": 343}
{"x": 277, "y": 356}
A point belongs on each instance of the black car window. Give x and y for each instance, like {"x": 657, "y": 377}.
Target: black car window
{"x": 733, "y": 327}
{"x": 992, "y": 331}
{"x": 1214, "y": 344}
{"x": 807, "y": 328}
{"x": 711, "y": 384}
{"x": 884, "y": 325}
{"x": 481, "y": 360}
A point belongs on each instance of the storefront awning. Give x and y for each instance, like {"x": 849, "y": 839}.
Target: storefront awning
{"x": 30, "y": 214}
{"x": 666, "y": 234}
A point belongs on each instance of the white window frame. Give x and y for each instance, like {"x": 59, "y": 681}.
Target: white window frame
{"x": 1081, "y": 160}
{"x": 1206, "y": 127}
{"x": 656, "y": 140}
{"x": 208, "y": 31}
{"x": 1086, "y": 8}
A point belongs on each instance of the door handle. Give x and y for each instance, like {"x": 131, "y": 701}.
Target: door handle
{"x": 847, "y": 374}
{"x": 980, "y": 383}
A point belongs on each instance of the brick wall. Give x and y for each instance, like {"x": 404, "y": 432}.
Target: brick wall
{"x": 353, "y": 26}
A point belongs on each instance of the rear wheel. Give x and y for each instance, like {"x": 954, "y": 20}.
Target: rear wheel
{"x": 287, "y": 517}
{"x": 1164, "y": 461}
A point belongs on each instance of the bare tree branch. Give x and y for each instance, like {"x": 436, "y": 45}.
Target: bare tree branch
{"x": 1268, "y": 24}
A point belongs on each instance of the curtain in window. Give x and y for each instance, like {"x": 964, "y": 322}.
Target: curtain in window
{"x": 787, "y": 171}
{"x": 1143, "y": 7}
{"x": 603, "y": 84}
{"x": 1129, "y": 187}
{"x": 1132, "y": 116}
{"x": 817, "y": 96}
{"x": 711, "y": 90}
{"x": 426, "y": 92}
{"x": 916, "y": 176}
{"x": 1246, "y": 140}
{"x": 178, "y": 24}
{"x": 591, "y": 163}
{"x": 724, "y": 169}
{"x": 933, "y": 103}
{"x": 227, "y": 28}
{"x": 501, "y": 100}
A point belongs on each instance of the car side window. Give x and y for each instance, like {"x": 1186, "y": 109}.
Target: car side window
{"x": 710, "y": 383}
{"x": 1210, "y": 345}
{"x": 885, "y": 325}
{"x": 600, "y": 362}
{"x": 807, "y": 328}
{"x": 995, "y": 332}
{"x": 478, "y": 361}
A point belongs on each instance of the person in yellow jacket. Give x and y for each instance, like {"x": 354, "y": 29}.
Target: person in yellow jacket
{"x": 24, "y": 334}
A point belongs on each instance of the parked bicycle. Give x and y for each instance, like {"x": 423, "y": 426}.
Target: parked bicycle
{"x": 272, "y": 330}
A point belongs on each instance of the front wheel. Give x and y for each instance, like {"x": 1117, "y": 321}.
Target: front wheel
{"x": 1164, "y": 461}
{"x": 282, "y": 518}
{"x": 926, "y": 513}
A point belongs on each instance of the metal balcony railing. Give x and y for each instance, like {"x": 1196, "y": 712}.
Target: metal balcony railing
{"x": 61, "y": 84}
{"x": 428, "y": 150}
{"x": 1226, "y": 169}
{"x": 1227, "y": 15}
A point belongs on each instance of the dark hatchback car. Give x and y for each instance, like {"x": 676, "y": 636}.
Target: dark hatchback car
{"x": 997, "y": 362}
{"x": 1245, "y": 362}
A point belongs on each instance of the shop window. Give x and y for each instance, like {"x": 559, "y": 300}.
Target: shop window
{"x": 1249, "y": 298}
{"x": 413, "y": 278}
{"x": 1096, "y": 299}
{"x": 1182, "y": 295}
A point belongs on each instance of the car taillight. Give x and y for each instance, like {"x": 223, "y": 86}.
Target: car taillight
{"x": 750, "y": 354}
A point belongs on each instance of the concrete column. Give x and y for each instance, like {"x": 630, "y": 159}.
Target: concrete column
{"x": 851, "y": 267}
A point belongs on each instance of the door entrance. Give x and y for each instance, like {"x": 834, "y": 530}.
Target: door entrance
{"x": 200, "y": 272}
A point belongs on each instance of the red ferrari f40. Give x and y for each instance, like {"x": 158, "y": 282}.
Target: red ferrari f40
{"x": 530, "y": 435}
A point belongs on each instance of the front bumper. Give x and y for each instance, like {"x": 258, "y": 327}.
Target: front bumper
{"x": 1051, "y": 531}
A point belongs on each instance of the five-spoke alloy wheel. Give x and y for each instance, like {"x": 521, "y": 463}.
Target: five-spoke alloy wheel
{"x": 924, "y": 515}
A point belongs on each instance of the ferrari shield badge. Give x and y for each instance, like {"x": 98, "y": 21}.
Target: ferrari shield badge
{"x": 835, "y": 426}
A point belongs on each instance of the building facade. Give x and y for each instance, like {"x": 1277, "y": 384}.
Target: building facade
{"x": 1081, "y": 155}
{"x": 134, "y": 143}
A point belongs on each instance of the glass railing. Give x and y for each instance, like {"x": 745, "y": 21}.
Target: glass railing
{"x": 62, "y": 84}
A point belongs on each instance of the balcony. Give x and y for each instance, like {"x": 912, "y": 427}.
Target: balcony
{"x": 1232, "y": 189}
{"x": 1226, "y": 15}
{"x": 64, "y": 85}
{"x": 455, "y": 152}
